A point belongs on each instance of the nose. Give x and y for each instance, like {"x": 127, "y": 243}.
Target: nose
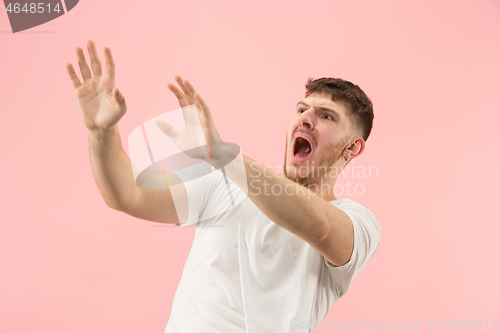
{"x": 306, "y": 119}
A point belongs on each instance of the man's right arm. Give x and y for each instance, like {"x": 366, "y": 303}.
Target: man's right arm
{"x": 101, "y": 106}
{"x": 114, "y": 177}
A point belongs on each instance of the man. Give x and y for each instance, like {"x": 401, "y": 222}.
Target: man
{"x": 281, "y": 248}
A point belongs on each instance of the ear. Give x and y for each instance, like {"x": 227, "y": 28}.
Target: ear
{"x": 356, "y": 148}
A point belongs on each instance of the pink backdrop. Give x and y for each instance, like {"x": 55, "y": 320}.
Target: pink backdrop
{"x": 70, "y": 264}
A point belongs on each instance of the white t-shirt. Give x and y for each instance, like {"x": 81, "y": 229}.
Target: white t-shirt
{"x": 245, "y": 273}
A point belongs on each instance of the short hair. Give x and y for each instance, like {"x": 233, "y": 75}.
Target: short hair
{"x": 359, "y": 106}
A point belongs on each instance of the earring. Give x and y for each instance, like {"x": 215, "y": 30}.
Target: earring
{"x": 346, "y": 158}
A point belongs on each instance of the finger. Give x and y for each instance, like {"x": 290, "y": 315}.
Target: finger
{"x": 94, "y": 58}
{"x": 200, "y": 110}
{"x": 72, "y": 75}
{"x": 183, "y": 102}
{"x": 84, "y": 68}
{"x": 166, "y": 128}
{"x": 204, "y": 107}
{"x": 110, "y": 64}
{"x": 189, "y": 114}
{"x": 190, "y": 89}
{"x": 181, "y": 83}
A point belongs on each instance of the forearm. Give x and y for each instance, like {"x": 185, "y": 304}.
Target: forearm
{"x": 112, "y": 168}
{"x": 286, "y": 203}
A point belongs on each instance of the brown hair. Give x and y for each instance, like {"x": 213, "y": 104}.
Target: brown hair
{"x": 358, "y": 105}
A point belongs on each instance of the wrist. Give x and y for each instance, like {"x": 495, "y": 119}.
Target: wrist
{"x": 102, "y": 135}
{"x": 102, "y": 131}
{"x": 223, "y": 153}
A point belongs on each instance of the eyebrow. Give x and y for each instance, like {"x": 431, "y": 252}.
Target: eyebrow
{"x": 322, "y": 107}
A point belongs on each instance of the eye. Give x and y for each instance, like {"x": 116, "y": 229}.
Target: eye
{"x": 329, "y": 117}
{"x": 301, "y": 110}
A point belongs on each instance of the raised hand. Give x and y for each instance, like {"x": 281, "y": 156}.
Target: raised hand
{"x": 200, "y": 136}
{"x": 100, "y": 103}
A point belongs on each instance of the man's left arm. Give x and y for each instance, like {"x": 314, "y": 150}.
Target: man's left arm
{"x": 293, "y": 207}
{"x": 296, "y": 208}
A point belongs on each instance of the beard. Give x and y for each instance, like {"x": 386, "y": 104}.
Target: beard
{"x": 331, "y": 155}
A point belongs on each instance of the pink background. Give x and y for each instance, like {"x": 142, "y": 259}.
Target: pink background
{"x": 71, "y": 264}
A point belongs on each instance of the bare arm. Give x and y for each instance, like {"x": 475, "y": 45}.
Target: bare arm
{"x": 111, "y": 167}
{"x": 325, "y": 227}
{"x": 101, "y": 106}
{"x": 114, "y": 177}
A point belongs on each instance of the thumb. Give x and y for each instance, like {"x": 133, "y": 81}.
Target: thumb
{"x": 119, "y": 98}
{"x": 166, "y": 128}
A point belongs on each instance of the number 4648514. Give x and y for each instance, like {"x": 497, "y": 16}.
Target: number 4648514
{"x": 470, "y": 324}
{"x": 32, "y": 8}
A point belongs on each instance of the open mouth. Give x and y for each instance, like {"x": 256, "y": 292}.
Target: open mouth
{"x": 302, "y": 149}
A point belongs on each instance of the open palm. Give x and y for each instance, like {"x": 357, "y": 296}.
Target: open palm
{"x": 100, "y": 103}
{"x": 192, "y": 139}
{"x": 199, "y": 135}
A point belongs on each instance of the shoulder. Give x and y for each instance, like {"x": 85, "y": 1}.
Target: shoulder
{"x": 195, "y": 171}
{"x": 367, "y": 234}
{"x": 367, "y": 230}
{"x": 356, "y": 211}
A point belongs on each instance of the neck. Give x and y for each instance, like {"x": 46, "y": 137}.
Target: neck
{"x": 324, "y": 188}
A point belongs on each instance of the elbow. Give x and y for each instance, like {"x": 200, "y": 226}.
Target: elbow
{"x": 113, "y": 205}
{"x": 121, "y": 203}
{"x": 321, "y": 232}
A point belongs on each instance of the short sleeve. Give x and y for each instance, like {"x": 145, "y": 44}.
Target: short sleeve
{"x": 200, "y": 181}
{"x": 367, "y": 234}
{"x": 209, "y": 192}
